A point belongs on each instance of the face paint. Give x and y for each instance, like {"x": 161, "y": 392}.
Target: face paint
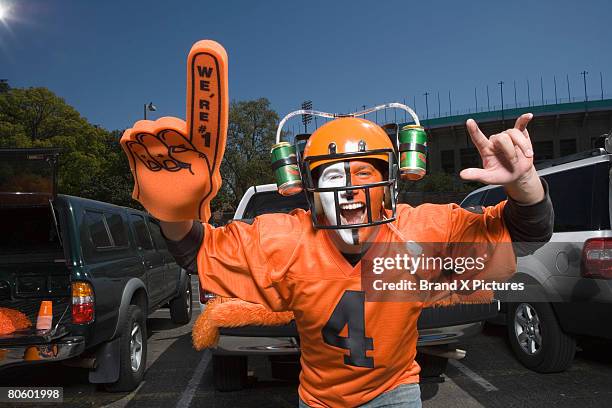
{"x": 352, "y": 203}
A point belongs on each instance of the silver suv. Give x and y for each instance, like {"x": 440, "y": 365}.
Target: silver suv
{"x": 568, "y": 281}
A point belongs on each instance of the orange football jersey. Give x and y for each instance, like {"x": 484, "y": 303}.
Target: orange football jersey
{"x": 352, "y": 350}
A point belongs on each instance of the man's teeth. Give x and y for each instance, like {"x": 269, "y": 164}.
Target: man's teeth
{"x": 351, "y": 206}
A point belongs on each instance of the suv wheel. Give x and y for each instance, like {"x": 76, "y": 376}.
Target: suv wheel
{"x": 537, "y": 339}
{"x": 230, "y": 372}
{"x": 133, "y": 346}
{"x": 180, "y": 307}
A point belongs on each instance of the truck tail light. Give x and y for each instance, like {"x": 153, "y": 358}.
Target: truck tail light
{"x": 206, "y": 296}
{"x": 82, "y": 302}
{"x": 597, "y": 258}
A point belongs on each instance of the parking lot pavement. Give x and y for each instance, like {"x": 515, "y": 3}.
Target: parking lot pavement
{"x": 588, "y": 383}
{"x": 179, "y": 376}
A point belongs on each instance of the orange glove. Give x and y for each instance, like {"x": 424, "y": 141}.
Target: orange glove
{"x": 175, "y": 164}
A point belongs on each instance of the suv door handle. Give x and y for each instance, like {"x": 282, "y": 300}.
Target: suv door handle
{"x": 147, "y": 264}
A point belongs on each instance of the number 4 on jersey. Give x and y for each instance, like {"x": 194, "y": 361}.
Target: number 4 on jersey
{"x": 350, "y": 311}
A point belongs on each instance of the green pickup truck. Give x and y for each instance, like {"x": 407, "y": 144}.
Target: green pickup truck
{"x": 104, "y": 267}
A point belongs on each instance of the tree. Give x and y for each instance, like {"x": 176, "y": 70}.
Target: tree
{"x": 251, "y": 132}
{"x": 92, "y": 163}
{"x": 114, "y": 182}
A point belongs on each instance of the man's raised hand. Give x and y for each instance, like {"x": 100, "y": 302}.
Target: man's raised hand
{"x": 507, "y": 159}
{"x": 506, "y": 156}
{"x": 175, "y": 164}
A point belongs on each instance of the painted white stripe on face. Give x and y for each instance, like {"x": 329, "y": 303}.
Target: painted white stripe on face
{"x": 335, "y": 176}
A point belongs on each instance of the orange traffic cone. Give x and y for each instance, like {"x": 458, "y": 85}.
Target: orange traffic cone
{"x": 45, "y": 315}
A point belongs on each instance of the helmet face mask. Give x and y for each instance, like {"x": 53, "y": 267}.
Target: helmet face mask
{"x": 349, "y": 138}
{"x": 372, "y": 195}
{"x": 349, "y": 211}
{"x": 339, "y": 191}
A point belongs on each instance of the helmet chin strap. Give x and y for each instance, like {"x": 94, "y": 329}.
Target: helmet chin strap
{"x": 347, "y": 172}
{"x": 355, "y": 233}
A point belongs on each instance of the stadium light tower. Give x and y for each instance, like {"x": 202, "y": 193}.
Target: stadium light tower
{"x": 306, "y": 119}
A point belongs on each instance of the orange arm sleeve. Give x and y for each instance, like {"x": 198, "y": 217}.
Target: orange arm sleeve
{"x": 473, "y": 235}
{"x": 232, "y": 263}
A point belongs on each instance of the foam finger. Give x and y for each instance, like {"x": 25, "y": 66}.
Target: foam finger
{"x": 169, "y": 122}
{"x": 207, "y": 99}
{"x": 172, "y": 138}
{"x": 194, "y": 161}
{"x": 139, "y": 152}
{"x": 155, "y": 147}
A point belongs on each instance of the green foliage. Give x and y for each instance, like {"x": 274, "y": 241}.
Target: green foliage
{"x": 251, "y": 132}
{"x": 92, "y": 163}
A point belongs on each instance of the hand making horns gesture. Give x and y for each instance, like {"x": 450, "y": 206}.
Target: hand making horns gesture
{"x": 506, "y": 156}
{"x": 175, "y": 164}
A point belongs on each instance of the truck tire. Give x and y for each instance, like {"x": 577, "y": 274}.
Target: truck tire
{"x": 285, "y": 367}
{"x": 230, "y": 372}
{"x": 180, "y": 307}
{"x": 537, "y": 339}
{"x": 133, "y": 351}
{"x": 431, "y": 366}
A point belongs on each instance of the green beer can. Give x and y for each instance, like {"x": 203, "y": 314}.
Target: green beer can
{"x": 413, "y": 152}
{"x": 286, "y": 172}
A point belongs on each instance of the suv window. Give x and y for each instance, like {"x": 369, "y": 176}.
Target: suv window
{"x": 97, "y": 229}
{"x": 601, "y": 195}
{"x": 272, "y": 202}
{"x": 159, "y": 240}
{"x": 103, "y": 235}
{"x": 117, "y": 229}
{"x": 473, "y": 200}
{"x": 143, "y": 239}
{"x": 571, "y": 193}
{"x": 494, "y": 196}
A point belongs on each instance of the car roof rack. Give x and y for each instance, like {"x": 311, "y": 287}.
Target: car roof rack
{"x": 571, "y": 158}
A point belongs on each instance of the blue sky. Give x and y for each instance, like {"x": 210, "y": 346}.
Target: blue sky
{"x": 107, "y": 58}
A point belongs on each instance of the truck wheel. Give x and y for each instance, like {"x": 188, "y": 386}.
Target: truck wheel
{"x": 431, "y": 366}
{"x": 230, "y": 372}
{"x": 537, "y": 339}
{"x": 285, "y": 367}
{"x": 133, "y": 355}
{"x": 180, "y": 307}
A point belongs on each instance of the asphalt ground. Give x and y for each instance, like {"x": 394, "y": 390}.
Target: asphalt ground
{"x": 179, "y": 376}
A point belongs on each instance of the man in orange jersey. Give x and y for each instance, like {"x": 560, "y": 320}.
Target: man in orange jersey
{"x": 354, "y": 352}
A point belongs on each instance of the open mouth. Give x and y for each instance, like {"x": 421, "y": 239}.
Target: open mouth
{"x": 352, "y": 213}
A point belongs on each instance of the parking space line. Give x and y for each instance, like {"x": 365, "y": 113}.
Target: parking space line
{"x": 473, "y": 376}
{"x": 194, "y": 382}
{"x": 125, "y": 400}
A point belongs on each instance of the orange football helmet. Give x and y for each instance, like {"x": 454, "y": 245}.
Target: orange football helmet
{"x": 344, "y": 139}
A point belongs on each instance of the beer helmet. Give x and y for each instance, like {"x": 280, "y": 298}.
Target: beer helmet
{"x": 348, "y": 169}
